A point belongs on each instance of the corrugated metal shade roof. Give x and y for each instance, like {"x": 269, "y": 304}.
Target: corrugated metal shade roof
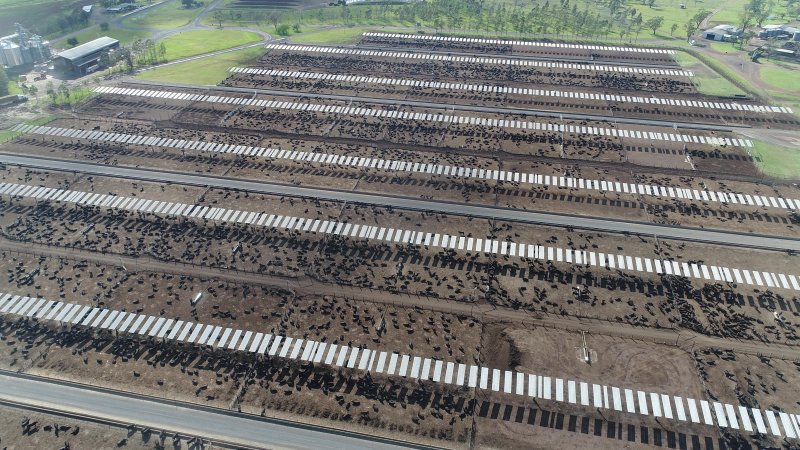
{"x": 87, "y": 48}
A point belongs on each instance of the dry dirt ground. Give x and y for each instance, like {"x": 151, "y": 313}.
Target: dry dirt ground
{"x": 739, "y": 217}
{"x": 22, "y": 429}
{"x": 387, "y": 406}
{"x": 460, "y": 306}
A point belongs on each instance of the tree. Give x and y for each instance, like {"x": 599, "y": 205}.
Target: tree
{"x": 125, "y": 53}
{"x": 745, "y": 38}
{"x": 654, "y": 23}
{"x": 187, "y": 3}
{"x": 72, "y": 42}
{"x": 673, "y": 29}
{"x": 64, "y": 90}
{"x": 760, "y": 9}
{"x": 105, "y": 59}
{"x": 104, "y": 26}
{"x": 698, "y": 18}
{"x": 34, "y": 91}
{"x": 51, "y": 92}
{"x": 651, "y": 3}
{"x": 3, "y": 82}
{"x": 282, "y": 29}
{"x": 637, "y": 23}
{"x": 690, "y": 29}
{"x": 296, "y": 28}
{"x": 746, "y": 18}
{"x": 274, "y": 18}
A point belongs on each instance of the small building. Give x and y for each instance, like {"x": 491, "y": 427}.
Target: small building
{"x": 779, "y": 32}
{"x": 87, "y": 9}
{"x": 84, "y": 58}
{"x": 122, "y": 7}
{"x": 722, "y": 33}
{"x": 784, "y": 52}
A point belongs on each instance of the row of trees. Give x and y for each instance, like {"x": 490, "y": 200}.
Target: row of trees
{"x": 140, "y": 53}
{"x": 604, "y": 18}
{"x": 148, "y": 52}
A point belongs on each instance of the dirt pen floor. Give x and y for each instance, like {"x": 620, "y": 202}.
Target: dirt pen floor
{"x": 463, "y": 138}
{"x": 438, "y": 416}
{"x": 474, "y": 97}
{"x": 22, "y": 429}
{"x": 721, "y": 309}
{"x": 730, "y": 342}
{"x": 740, "y": 217}
{"x": 518, "y": 48}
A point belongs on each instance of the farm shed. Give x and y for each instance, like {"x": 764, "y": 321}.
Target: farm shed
{"x": 83, "y": 58}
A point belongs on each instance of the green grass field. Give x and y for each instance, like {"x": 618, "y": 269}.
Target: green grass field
{"x": 730, "y": 13}
{"x": 777, "y": 161}
{"x": 204, "y": 71}
{"x": 330, "y": 36}
{"x": 455, "y": 17}
{"x": 784, "y": 75}
{"x": 705, "y": 79}
{"x": 170, "y": 15}
{"x": 40, "y": 17}
{"x": 782, "y": 79}
{"x": 13, "y": 88}
{"x": 723, "y": 47}
{"x": 123, "y": 36}
{"x": 672, "y": 13}
{"x": 77, "y": 94}
{"x": 197, "y": 42}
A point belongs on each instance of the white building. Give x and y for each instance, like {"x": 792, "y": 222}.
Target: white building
{"x": 722, "y": 33}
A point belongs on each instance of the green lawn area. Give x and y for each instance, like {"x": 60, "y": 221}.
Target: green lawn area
{"x": 170, "y": 15}
{"x": 206, "y": 71}
{"x": 123, "y": 36}
{"x": 672, "y": 13}
{"x": 730, "y": 13}
{"x": 330, "y": 36}
{"x": 197, "y": 42}
{"x": 723, "y": 47}
{"x": 40, "y": 16}
{"x": 13, "y": 88}
{"x": 777, "y": 161}
{"x": 6, "y": 3}
{"x": 706, "y": 80}
{"x": 784, "y": 76}
{"x": 77, "y": 94}
{"x": 316, "y": 16}
{"x": 456, "y": 17}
